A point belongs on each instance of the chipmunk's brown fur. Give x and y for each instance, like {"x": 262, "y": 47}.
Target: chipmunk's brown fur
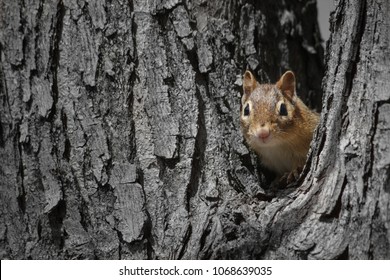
{"x": 276, "y": 124}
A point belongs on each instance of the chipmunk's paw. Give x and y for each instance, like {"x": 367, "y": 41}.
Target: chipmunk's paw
{"x": 288, "y": 178}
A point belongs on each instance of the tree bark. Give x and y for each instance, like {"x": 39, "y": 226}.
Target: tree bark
{"x": 346, "y": 191}
{"x": 120, "y": 137}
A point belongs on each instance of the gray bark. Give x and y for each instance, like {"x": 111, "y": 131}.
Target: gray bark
{"x": 120, "y": 138}
{"x": 346, "y": 197}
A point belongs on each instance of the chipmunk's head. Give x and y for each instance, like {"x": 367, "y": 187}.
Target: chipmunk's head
{"x": 267, "y": 111}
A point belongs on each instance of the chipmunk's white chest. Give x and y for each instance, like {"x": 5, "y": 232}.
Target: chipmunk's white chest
{"x": 280, "y": 159}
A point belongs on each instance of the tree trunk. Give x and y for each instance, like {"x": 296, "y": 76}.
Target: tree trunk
{"x": 344, "y": 202}
{"x": 120, "y": 137}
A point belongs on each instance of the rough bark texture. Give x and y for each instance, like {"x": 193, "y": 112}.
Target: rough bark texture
{"x": 120, "y": 139}
{"x": 341, "y": 210}
{"x": 345, "y": 207}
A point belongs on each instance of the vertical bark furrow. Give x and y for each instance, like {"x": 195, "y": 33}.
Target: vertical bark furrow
{"x": 54, "y": 54}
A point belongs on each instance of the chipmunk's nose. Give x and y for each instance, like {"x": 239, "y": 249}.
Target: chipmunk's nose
{"x": 263, "y": 133}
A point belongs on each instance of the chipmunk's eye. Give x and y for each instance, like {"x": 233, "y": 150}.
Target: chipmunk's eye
{"x": 283, "y": 110}
{"x": 246, "y": 110}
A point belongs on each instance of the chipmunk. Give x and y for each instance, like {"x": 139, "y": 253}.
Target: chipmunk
{"x": 276, "y": 124}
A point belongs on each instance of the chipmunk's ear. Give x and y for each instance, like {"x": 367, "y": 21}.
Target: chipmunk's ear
{"x": 287, "y": 84}
{"x": 249, "y": 83}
